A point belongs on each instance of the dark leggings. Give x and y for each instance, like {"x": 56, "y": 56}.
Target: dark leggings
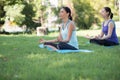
{"x": 61, "y": 46}
{"x": 103, "y": 42}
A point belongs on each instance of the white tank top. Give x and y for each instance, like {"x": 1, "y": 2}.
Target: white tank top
{"x": 64, "y": 32}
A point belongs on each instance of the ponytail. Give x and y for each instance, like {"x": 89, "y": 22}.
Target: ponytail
{"x": 70, "y": 17}
{"x": 111, "y": 15}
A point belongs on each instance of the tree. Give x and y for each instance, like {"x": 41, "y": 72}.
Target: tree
{"x": 87, "y": 11}
{"x": 29, "y": 14}
{"x": 99, "y": 4}
{"x": 14, "y": 12}
{"x": 21, "y": 11}
{"x": 2, "y": 12}
{"x": 84, "y": 14}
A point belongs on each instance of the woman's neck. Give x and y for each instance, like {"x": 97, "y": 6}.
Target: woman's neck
{"x": 107, "y": 18}
{"x": 65, "y": 20}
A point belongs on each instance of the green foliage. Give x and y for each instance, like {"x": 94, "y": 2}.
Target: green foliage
{"x": 21, "y": 13}
{"x": 98, "y": 5}
{"x": 84, "y": 14}
{"x": 29, "y": 13}
{"x": 2, "y": 12}
{"x": 40, "y": 10}
{"x": 13, "y": 2}
{"x": 56, "y": 13}
{"x": 24, "y": 11}
{"x": 14, "y": 12}
{"x": 87, "y": 12}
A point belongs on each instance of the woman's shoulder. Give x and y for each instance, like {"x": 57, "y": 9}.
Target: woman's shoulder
{"x": 111, "y": 22}
{"x": 72, "y": 23}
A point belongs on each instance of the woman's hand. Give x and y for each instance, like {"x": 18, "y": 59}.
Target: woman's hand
{"x": 59, "y": 39}
{"x": 89, "y": 37}
{"x": 98, "y": 37}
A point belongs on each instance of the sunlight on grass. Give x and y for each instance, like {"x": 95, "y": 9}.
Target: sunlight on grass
{"x": 62, "y": 62}
{"x": 4, "y": 43}
{"x": 53, "y": 34}
{"x": 38, "y": 56}
{"x": 1, "y": 55}
{"x": 80, "y": 78}
{"x": 18, "y": 35}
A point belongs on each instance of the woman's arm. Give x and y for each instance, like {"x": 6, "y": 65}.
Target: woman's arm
{"x": 110, "y": 30}
{"x": 43, "y": 40}
{"x": 53, "y": 41}
{"x": 95, "y": 37}
{"x": 70, "y": 29}
{"x": 100, "y": 35}
{"x": 59, "y": 38}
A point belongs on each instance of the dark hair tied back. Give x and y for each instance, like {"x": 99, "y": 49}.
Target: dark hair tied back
{"x": 111, "y": 15}
{"x": 107, "y": 9}
{"x": 67, "y": 9}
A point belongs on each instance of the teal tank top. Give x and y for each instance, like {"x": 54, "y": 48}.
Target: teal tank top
{"x": 64, "y": 33}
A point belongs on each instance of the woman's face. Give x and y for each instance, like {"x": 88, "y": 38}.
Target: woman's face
{"x": 104, "y": 13}
{"x": 63, "y": 14}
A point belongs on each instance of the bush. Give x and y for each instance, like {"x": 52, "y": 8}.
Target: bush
{"x": 14, "y": 12}
{"x": 22, "y": 14}
{"x": 84, "y": 14}
{"x": 29, "y": 14}
{"x": 116, "y": 18}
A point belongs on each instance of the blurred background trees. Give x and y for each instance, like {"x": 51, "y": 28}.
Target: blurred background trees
{"x": 87, "y": 11}
{"x": 84, "y": 13}
{"x": 27, "y": 12}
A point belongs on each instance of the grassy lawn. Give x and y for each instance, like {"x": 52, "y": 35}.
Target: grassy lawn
{"x": 22, "y": 59}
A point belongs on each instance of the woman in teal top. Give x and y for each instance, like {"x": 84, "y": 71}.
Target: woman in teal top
{"x": 67, "y": 38}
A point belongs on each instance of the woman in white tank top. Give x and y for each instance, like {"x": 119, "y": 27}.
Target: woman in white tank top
{"x": 67, "y": 38}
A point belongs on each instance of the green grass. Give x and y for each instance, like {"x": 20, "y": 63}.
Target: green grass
{"x": 22, "y": 59}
